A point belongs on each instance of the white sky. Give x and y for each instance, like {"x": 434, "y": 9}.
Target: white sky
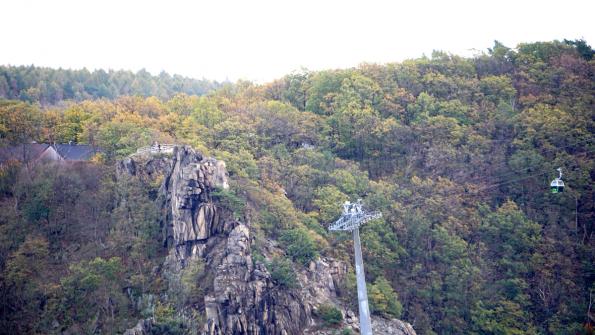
{"x": 264, "y": 39}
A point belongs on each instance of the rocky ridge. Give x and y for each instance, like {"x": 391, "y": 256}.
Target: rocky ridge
{"x": 243, "y": 299}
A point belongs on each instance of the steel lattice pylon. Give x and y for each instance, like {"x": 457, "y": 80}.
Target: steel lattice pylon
{"x": 353, "y": 217}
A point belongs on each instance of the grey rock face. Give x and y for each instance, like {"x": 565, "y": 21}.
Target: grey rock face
{"x": 189, "y": 215}
{"x": 243, "y": 298}
{"x": 391, "y": 326}
{"x": 186, "y": 192}
{"x": 380, "y": 326}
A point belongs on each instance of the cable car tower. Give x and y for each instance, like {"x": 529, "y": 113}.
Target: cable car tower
{"x": 352, "y": 218}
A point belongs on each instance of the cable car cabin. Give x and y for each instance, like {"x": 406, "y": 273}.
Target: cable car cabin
{"x": 557, "y": 185}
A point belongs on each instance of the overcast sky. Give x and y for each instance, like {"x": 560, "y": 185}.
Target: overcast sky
{"x": 262, "y": 40}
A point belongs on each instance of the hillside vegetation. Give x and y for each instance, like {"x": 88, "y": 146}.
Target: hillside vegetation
{"x": 50, "y": 86}
{"x": 456, "y": 152}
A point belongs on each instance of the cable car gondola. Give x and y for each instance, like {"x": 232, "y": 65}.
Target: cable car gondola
{"x": 557, "y": 185}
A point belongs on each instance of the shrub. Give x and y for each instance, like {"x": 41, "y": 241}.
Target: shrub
{"x": 330, "y": 315}
{"x": 166, "y": 321}
{"x": 383, "y": 299}
{"x": 282, "y": 272}
{"x": 299, "y": 246}
{"x": 230, "y": 200}
{"x": 191, "y": 280}
{"x": 328, "y": 200}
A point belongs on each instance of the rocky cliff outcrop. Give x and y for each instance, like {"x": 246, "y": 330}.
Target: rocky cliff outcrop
{"x": 242, "y": 298}
{"x": 189, "y": 216}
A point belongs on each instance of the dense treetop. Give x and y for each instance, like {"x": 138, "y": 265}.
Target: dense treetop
{"x": 50, "y": 86}
{"x": 456, "y": 152}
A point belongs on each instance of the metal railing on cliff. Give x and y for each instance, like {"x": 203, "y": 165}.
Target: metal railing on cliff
{"x": 157, "y": 149}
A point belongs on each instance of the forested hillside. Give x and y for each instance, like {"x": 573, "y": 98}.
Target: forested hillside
{"x": 50, "y": 86}
{"x": 456, "y": 152}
